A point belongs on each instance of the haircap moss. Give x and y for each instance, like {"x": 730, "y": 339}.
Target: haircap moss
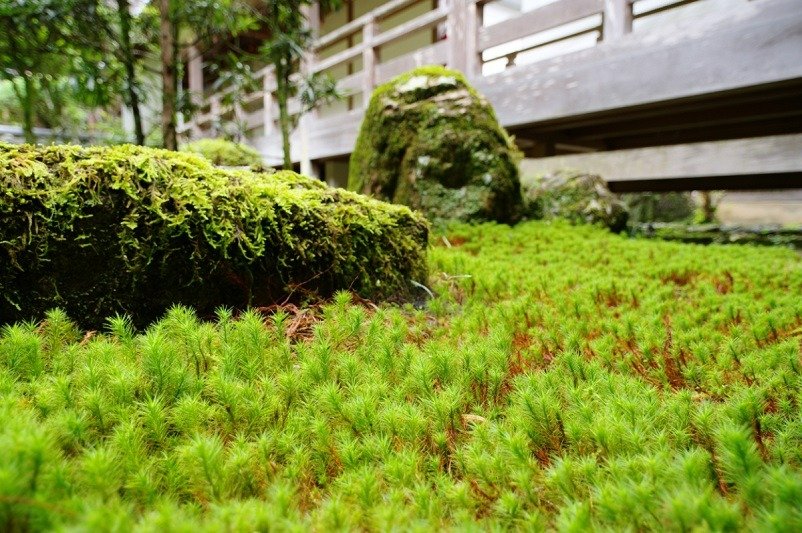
{"x": 126, "y": 229}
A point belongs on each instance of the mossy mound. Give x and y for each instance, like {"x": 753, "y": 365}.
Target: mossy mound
{"x": 105, "y": 230}
{"x": 574, "y": 196}
{"x": 660, "y": 206}
{"x": 224, "y": 153}
{"x": 430, "y": 141}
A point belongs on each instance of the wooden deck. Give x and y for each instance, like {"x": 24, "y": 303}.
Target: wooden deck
{"x": 732, "y": 74}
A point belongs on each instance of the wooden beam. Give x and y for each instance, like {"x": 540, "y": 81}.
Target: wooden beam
{"x": 617, "y": 19}
{"x": 456, "y": 34}
{"x": 435, "y": 54}
{"x": 755, "y": 163}
{"x": 758, "y": 45}
{"x": 538, "y": 20}
{"x": 369, "y": 60}
{"x": 427, "y": 20}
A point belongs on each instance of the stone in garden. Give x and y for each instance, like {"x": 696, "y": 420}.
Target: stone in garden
{"x": 103, "y": 230}
{"x": 224, "y": 153}
{"x": 430, "y": 141}
{"x": 574, "y": 196}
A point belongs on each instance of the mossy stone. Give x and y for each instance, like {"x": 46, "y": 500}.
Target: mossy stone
{"x": 430, "y": 141}
{"x": 660, "y": 206}
{"x": 224, "y": 153}
{"x": 574, "y": 196}
{"x": 104, "y": 230}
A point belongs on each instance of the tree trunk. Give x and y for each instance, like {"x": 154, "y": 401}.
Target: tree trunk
{"x": 168, "y": 57}
{"x": 708, "y": 207}
{"x": 282, "y": 94}
{"x": 132, "y": 98}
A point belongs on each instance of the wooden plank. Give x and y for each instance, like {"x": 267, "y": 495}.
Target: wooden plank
{"x": 743, "y": 163}
{"x": 538, "y": 20}
{"x": 352, "y": 82}
{"x": 435, "y": 54}
{"x": 355, "y": 25}
{"x": 755, "y": 45}
{"x": 335, "y": 136}
{"x": 457, "y": 34}
{"x": 428, "y": 20}
{"x": 339, "y": 58}
{"x": 617, "y": 20}
{"x": 369, "y": 60}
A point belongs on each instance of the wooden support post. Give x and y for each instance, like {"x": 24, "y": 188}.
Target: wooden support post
{"x": 457, "y": 34}
{"x": 306, "y": 123}
{"x": 617, "y": 19}
{"x": 473, "y": 21}
{"x": 369, "y": 60}
{"x": 215, "y": 109}
{"x": 195, "y": 82}
{"x": 268, "y": 82}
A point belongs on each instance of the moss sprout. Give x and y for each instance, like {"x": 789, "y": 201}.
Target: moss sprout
{"x": 570, "y": 379}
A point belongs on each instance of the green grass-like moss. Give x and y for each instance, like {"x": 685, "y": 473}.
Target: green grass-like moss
{"x": 129, "y": 229}
{"x": 437, "y": 148}
{"x": 224, "y": 153}
{"x": 563, "y": 378}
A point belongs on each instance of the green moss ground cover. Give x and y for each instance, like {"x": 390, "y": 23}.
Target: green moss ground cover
{"x": 105, "y": 230}
{"x": 562, "y": 378}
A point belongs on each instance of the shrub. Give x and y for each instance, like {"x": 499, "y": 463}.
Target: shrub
{"x": 224, "y": 153}
{"x": 97, "y": 231}
{"x": 430, "y": 141}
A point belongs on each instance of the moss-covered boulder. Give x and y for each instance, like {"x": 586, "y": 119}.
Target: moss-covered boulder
{"x": 98, "y": 231}
{"x": 224, "y": 153}
{"x": 430, "y": 141}
{"x": 574, "y": 196}
{"x": 659, "y": 206}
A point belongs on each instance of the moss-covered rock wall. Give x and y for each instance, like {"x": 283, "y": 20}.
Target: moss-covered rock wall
{"x": 98, "y": 231}
{"x": 430, "y": 141}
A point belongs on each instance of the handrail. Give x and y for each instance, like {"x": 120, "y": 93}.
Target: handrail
{"x": 541, "y": 19}
{"x": 463, "y": 47}
{"x": 350, "y": 28}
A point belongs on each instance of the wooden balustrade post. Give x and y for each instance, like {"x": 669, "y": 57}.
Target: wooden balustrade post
{"x": 462, "y": 34}
{"x": 268, "y": 81}
{"x": 195, "y": 82}
{"x": 306, "y": 123}
{"x": 215, "y": 109}
{"x": 617, "y": 19}
{"x": 369, "y": 60}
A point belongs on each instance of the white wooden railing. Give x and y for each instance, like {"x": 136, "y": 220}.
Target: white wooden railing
{"x": 466, "y": 45}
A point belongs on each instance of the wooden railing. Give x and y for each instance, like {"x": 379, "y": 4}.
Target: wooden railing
{"x": 466, "y": 45}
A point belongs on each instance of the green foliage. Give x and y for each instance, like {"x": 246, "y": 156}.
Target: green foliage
{"x": 430, "y": 141}
{"x": 224, "y": 153}
{"x": 289, "y": 38}
{"x": 563, "y": 378}
{"x": 46, "y": 59}
{"x": 99, "y": 231}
